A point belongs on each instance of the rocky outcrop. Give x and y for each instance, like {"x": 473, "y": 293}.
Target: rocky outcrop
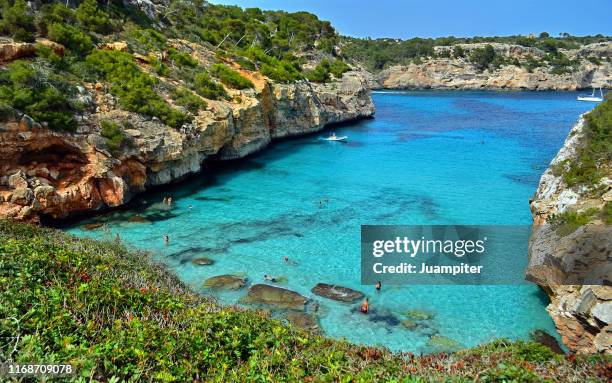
{"x": 275, "y": 297}
{"x": 460, "y": 73}
{"x": 225, "y": 282}
{"x": 56, "y": 174}
{"x": 573, "y": 268}
{"x": 337, "y": 293}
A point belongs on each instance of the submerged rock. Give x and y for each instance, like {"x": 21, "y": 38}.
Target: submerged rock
{"x": 225, "y": 282}
{"x": 419, "y": 315}
{"x": 275, "y": 296}
{"x": 202, "y": 261}
{"x": 337, "y": 293}
{"x": 92, "y": 226}
{"x": 138, "y": 219}
{"x": 439, "y": 343}
{"x": 303, "y": 320}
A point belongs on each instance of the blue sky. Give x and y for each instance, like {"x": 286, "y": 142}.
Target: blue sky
{"x": 434, "y": 18}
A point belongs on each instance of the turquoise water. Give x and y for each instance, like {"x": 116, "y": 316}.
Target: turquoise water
{"x": 428, "y": 157}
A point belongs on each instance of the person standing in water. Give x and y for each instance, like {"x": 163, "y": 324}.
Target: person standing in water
{"x": 166, "y": 239}
{"x": 365, "y": 306}
{"x": 378, "y": 286}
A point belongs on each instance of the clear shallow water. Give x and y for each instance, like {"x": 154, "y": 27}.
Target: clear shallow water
{"x": 428, "y": 157}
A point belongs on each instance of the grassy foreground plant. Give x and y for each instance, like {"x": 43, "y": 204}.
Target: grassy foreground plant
{"x": 114, "y": 314}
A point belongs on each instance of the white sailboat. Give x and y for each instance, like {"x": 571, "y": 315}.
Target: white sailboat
{"x": 592, "y": 97}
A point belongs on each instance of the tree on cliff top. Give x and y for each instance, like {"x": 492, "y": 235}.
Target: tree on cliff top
{"x": 483, "y": 57}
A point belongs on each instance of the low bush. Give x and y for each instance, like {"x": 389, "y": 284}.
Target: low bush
{"x": 181, "y": 58}
{"x": 321, "y": 73}
{"x": 116, "y": 316}
{"x": 482, "y": 58}
{"x": 92, "y": 17}
{"x": 208, "y": 88}
{"x": 188, "y": 100}
{"x": 134, "y": 88}
{"x": 70, "y": 37}
{"x": 16, "y": 20}
{"x": 42, "y": 96}
{"x": 594, "y": 155}
{"x": 114, "y": 135}
{"x": 569, "y": 221}
{"x": 230, "y": 77}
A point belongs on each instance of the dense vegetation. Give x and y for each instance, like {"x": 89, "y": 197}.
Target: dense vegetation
{"x": 116, "y": 316}
{"x": 593, "y": 159}
{"x": 377, "y": 54}
{"x": 276, "y": 43}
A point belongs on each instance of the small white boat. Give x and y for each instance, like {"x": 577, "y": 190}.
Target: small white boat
{"x": 592, "y": 97}
{"x": 333, "y": 137}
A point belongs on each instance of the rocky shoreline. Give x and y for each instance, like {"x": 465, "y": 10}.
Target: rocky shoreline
{"x": 460, "y": 73}
{"x": 572, "y": 268}
{"x": 59, "y": 174}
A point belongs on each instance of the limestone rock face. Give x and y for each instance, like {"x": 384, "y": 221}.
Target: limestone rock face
{"x": 459, "y": 73}
{"x": 79, "y": 173}
{"x": 572, "y": 267}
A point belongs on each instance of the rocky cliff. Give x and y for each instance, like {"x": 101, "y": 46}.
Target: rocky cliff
{"x": 593, "y": 69}
{"x": 56, "y": 174}
{"x": 571, "y": 260}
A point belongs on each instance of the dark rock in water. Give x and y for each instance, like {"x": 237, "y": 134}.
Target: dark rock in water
{"x": 544, "y": 338}
{"x": 303, "y": 320}
{"x": 419, "y": 315}
{"x": 92, "y": 226}
{"x": 275, "y": 296}
{"x": 202, "y": 261}
{"x": 225, "y": 282}
{"x": 337, "y": 293}
{"x": 385, "y": 317}
{"x": 138, "y": 219}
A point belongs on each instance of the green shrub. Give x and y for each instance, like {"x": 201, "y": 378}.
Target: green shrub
{"x": 230, "y": 77}
{"x": 188, "y": 100}
{"x": 595, "y": 152}
{"x": 321, "y": 73}
{"x": 92, "y": 17}
{"x": 16, "y": 20}
{"x": 483, "y": 57}
{"x": 208, "y": 88}
{"x": 145, "y": 40}
{"x": 134, "y": 88}
{"x": 54, "y": 13}
{"x": 70, "y": 37}
{"x": 595, "y": 60}
{"x": 458, "y": 51}
{"x": 181, "y": 58}
{"x": 114, "y": 135}
{"x": 569, "y": 221}
{"x": 158, "y": 66}
{"x": 338, "y": 68}
{"x": 44, "y": 98}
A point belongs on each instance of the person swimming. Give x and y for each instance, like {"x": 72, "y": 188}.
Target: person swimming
{"x": 378, "y": 285}
{"x": 269, "y": 278}
{"x": 365, "y": 306}
{"x": 166, "y": 239}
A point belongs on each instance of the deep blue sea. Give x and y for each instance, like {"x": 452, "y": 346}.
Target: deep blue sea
{"x": 428, "y": 157}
